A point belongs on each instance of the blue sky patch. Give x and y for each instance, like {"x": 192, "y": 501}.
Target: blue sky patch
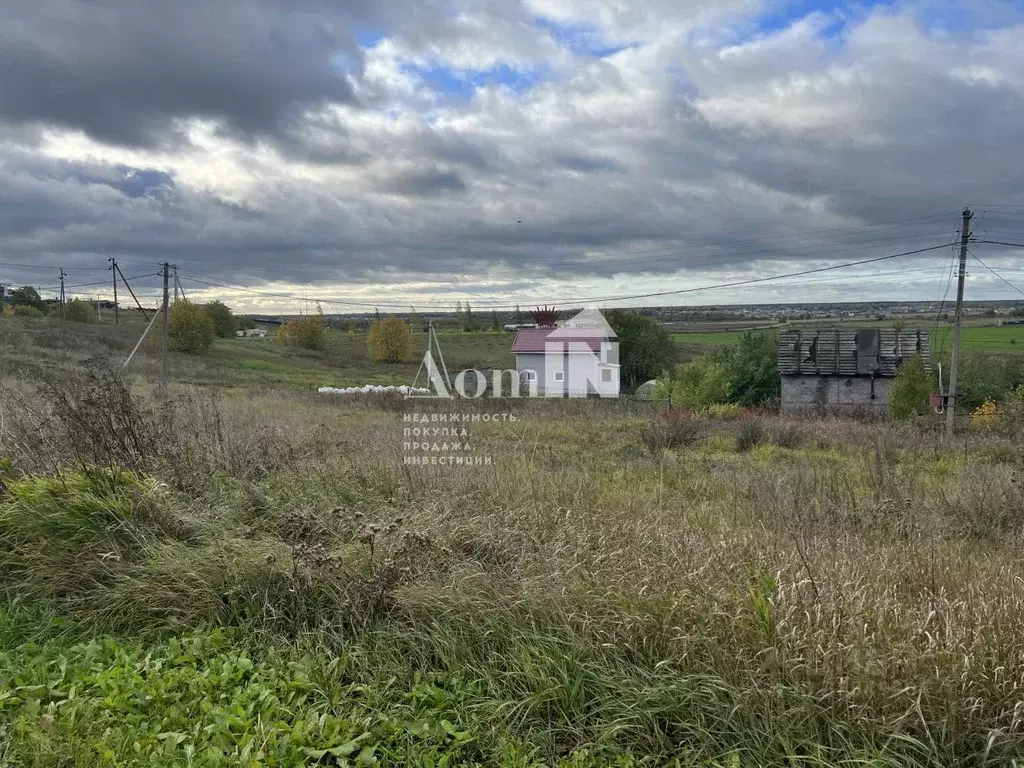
{"x": 463, "y": 83}
{"x": 791, "y": 12}
{"x": 581, "y": 39}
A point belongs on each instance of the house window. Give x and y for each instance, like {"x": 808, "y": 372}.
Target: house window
{"x": 559, "y": 376}
{"x": 530, "y": 375}
{"x": 606, "y": 375}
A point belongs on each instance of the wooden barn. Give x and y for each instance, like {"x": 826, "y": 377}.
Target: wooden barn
{"x": 845, "y": 369}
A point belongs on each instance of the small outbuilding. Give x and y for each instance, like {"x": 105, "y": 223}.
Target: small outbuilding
{"x": 845, "y": 369}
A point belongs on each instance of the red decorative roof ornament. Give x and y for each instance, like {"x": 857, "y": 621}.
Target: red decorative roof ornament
{"x": 545, "y": 318}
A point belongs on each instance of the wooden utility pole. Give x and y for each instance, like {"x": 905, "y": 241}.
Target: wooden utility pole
{"x": 163, "y": 343}
{"x": 965, "y": 234}
{"x": 175, "y": 282}
{"x": 113, "y": 276}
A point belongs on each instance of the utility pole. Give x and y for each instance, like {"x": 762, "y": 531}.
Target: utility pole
{"x": 62, "y": 314}
{"x": 113, "y": 276}
{"x": 965, "y": 234}
{"x": 175, "y": 282}
{"x": 163, "y": 345}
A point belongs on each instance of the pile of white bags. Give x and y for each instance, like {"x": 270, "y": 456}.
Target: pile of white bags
{"x": 374, "y": 389}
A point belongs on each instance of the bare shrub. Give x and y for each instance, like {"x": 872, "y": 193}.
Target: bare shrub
{"x": 785, "y": 435}
{"x": 749, "y": 435}
{"x": 662, "y": 433}
{"x": 88, "y": 415}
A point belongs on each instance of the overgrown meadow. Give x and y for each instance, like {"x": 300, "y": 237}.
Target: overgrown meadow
{"x": 254, "y": 577}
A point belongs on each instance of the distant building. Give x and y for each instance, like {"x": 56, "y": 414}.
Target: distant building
{"x": 837, "y": 369}
{"x": 252, "y": 333}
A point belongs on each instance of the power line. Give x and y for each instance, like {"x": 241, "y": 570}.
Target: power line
{"x": 38, "y": 268}
{"x": 98, "y": 282}
{"x": 986, "y": 266}
{"x": 718, "y": 244}
{"x": 998, "y": 242}
{"x": 795, "y": 250}
{"x": 945, "y": 293}
{"x": 592, "y": 299}
{"x": 672, "y": 251}
{"x": 752, "y": 281}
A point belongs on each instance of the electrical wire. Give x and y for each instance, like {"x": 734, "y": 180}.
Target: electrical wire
{"x": 98, "y": 282}
{"x": 986, "y": 266}
{"x": 580, "y": 300}
{"x": 998, "y": 242}
{"x": 38, "y": 268}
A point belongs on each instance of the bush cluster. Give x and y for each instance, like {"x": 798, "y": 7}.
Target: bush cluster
{"x": 308, "y": 332}
{"x": 80, "y": 311}
{"x": 190, "y": 327}
{"x": 744, "y": 374}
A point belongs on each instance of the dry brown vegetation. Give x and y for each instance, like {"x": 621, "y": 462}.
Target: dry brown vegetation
{"x": 616, "y": 587}
{"x": 758, "y": 591}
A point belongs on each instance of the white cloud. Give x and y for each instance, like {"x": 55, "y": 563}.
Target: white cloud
{"x": 704, "y": 129}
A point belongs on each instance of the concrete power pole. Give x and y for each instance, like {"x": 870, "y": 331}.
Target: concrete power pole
{"x": 166, "y": 324}
{"x": 965, "y": 234}
{"x": 113, "y": 276}
{"x": 61, "y": 309}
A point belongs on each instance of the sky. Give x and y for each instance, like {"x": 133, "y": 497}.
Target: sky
{"x": 401, "y": 153}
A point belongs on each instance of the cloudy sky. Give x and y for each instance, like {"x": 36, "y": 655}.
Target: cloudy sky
{"x": 417, "y": 152}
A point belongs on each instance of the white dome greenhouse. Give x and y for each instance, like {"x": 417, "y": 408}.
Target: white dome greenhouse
{"x": 646, "y": 390}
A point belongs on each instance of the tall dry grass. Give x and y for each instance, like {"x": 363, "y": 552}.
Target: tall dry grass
{"x": 819, "y": 592}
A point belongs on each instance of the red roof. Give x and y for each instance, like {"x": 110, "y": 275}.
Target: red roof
{"x": 533, "y": 340}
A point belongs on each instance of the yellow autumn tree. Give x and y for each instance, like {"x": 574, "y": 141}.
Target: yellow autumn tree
{"x": 308, "y": 332}
{"x": 390, "y": 341}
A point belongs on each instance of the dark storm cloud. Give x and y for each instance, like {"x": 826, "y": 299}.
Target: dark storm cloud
{"x": 124, "y": 70}
{"x": 420, "y": 183}
{"x": 609, "y": 168}
{"x": 580, "y": 163}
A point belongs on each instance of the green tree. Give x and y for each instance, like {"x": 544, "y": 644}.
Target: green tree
{"x": 468, "y": 321}
{"x": 308, "y": 332}
{"x": 909, "y": 391}
{"x": 984, "y": 376}
{"x": 190, "y": 328}
{"x": 517, "y": 318}
{"x": 645, "y": 348}
{"x": 495, "y": 322}
{"x": 80, "y": 311}
{"x": 390, "y": 341}
{"x": 702, "y": 382}
{"x": 27, "y": 296}
{"x": 224, "y": 322}
{"x": 753, "y": 370}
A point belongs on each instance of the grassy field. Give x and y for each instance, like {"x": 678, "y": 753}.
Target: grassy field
{"x": 972, "y": 336}
{"x": 252, "y": 575}
{"x": 1007, "y": 338}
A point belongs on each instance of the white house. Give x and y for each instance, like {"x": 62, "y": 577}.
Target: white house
{"x": 578, "y": 358}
